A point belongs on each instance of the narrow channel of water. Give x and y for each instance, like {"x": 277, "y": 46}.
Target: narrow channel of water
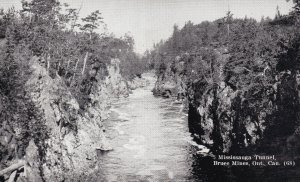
{"x": 150, "y": 138}
{"x": 152, "y": 143}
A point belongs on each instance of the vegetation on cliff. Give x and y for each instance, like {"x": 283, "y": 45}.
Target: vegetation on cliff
{"x": 240, "y": 77}
{"x": 73, "y": 54}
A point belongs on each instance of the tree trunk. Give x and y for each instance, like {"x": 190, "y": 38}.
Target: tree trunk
{"x": 228, "y": 30}
{"x": 68, "y": 64}
{"x": 57, "y": 69}
{"x": 76, "y": 65}
{"x": 84, "y": 62}
{"x": 48, "y": 62}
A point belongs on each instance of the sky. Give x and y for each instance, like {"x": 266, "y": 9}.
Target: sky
{"x": 149, "y": 21}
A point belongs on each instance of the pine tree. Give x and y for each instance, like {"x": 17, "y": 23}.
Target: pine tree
{"x": 92, "y": 22}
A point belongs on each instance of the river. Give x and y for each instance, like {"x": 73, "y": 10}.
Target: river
{"x": 152, "y": 143}
{"x": 150, "y": 139}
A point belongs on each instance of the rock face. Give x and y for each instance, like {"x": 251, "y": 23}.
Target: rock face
{"x": 251, "y": 118}
{"x": 114, "y": 81}
{"x": 171, "y": 83}
{"x": 32, "y": 166}
{"x": 74, "y": 134}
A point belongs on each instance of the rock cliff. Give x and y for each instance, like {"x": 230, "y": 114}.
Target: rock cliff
{"x": 262, "y": 117}
{"x": 74, "y": 134}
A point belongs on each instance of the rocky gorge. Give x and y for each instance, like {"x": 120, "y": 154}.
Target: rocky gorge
{"x": 202, "y": 105}
{"x": 74, "y": 135}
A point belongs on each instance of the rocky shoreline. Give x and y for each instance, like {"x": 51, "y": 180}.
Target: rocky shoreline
{"x": 74, "y": 135}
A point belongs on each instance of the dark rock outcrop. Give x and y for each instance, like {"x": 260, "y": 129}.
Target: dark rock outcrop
{"x": 243, "y": 119}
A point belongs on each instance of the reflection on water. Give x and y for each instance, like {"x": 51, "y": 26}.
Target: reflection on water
{"x": 151, "y": 142}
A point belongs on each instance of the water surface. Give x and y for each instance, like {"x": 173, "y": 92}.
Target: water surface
{"x": 150, "y": 138}
{"x": 152, "y": 143}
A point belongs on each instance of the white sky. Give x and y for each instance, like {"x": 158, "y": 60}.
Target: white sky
{"x": 149, "y": 21}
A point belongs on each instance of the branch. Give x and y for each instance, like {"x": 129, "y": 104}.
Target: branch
{"x": 12, "y": 167}
{"x": 12, "y": 176}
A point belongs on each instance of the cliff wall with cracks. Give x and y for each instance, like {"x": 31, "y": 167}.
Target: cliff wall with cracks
{"x": 262, "y": 117}
{"x": 74, "y": 134}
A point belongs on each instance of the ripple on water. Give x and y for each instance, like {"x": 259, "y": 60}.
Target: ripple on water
{"x": 152, "y": 141}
